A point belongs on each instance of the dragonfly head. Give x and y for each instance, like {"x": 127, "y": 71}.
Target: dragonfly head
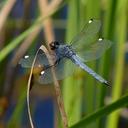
{"x": 54, "y": 45}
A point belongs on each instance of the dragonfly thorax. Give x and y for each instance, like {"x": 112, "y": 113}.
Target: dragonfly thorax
{"x": 61, "y": 50}
{"x": 64, "y": 51}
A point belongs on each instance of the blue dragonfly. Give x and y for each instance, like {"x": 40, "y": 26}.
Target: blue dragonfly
{"x": 84, "y": 47}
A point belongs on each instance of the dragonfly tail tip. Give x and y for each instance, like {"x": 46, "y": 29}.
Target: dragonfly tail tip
{"x": 107, "y": 83}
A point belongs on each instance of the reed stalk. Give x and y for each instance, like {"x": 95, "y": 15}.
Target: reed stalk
{"x": 121, "y": 15}
{"x": 72, "y": 86}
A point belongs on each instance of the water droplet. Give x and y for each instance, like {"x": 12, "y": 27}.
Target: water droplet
{"x": 26, "y": 56}
{"x": 42, "y": 72}
{"x": 90, "y": 21}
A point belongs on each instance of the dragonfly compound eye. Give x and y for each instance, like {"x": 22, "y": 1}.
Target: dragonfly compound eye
{"x": 54, "y": 45}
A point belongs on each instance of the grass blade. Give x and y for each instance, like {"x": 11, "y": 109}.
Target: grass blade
{"x": 104, "y": 111}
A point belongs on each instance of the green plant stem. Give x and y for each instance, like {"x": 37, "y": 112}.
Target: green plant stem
{"x": 92, "y": 12}
{"x": 120, "y": 52}
{"x": 72, "y": 86}
{"x": 104, "y": 66}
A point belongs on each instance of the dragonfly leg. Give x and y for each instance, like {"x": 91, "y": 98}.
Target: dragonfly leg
{"x": 49, "y": 66}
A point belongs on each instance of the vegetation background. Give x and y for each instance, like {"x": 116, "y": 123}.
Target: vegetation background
{"x": 24, "y": 25}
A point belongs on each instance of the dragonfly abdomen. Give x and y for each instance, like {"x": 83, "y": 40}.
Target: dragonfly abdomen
{"x": 78, "y": 62}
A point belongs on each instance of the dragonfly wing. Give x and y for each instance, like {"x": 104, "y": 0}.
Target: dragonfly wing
{"x": 62, "y": 70}
{"x": 41, "y": 60}
{"x": 95, "y": 50}
{"x": 87, "y": 34}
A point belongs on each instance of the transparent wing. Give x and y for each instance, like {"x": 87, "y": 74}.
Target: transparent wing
{"x": 95, "y": 50}
{"x": 64, "y": 69}
{"x": 41, "y": 60}
{"x": 87, "y": 34}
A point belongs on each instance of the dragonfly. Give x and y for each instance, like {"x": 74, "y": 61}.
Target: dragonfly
{"x": 85, "y": 46}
